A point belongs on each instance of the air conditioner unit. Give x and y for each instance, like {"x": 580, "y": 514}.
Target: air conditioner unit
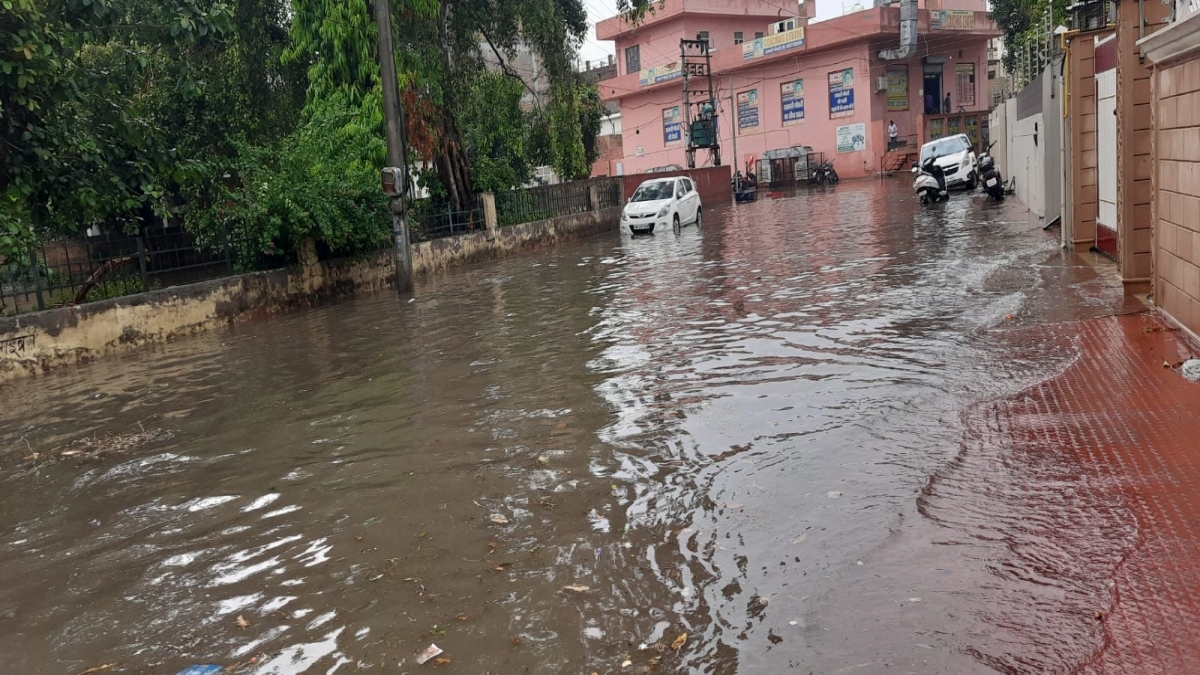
{"x": 881, "y": 83}
{"x": 782, "y": 26}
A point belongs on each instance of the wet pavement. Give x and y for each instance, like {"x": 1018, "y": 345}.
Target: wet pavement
{"x": 833, "y": 432}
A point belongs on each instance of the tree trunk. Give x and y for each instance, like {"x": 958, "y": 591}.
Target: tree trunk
{"x": 453, "y": 167}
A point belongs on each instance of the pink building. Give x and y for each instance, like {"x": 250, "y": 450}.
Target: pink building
{"x": 784, "y": 83}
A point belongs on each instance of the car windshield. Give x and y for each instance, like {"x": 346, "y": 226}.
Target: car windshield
{"x": 650, "y": 192}
{"x": 942, "y": 148}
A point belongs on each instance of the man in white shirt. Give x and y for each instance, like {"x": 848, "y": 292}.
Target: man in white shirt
{"x": 893, "y": 135}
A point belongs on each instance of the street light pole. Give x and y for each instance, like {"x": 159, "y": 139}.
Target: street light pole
{"x": 397, "y": 152}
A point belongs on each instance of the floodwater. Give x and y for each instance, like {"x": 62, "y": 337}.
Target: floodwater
{"x": 758, "y": 434}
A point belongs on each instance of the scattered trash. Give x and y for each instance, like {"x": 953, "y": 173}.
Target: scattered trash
{"x": 442, "y": 661}
{"x": 115, "y": 443}
{"x": 577, "y": 588}
{"x": 100, "y": 669}
{"x": 858, "y": 562}
{"x": 833, "y": 494}
{"x": 626, "y": 545}
{"x": 431, "y": 652}
{"x": 544, "y": 460}
{"x": 241, "y": 621}
{"x": 679, "y": 642}
{"x": 914, "y": 599}
{"x": 499, "y": 519}
{"x": 203, "y": 669}
{"x": 793, "y": 622}
{"x": 1191, "y": 370}
{"x": 1099, "y": 616}
{"x": 626, "y": 663}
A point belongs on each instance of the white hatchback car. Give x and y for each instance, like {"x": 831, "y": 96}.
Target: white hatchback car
{"x": 956, "y": 157}
{"x": 662, "y": 202}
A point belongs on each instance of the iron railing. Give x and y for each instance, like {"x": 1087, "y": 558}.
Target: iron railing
{"x": 71, "y": 271}
{"x": 430, "y": 220}
{"x": 611, "y": 192}
{"x": 542, "y": 203}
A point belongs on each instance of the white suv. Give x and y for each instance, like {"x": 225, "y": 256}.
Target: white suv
{"x": 662, "y": 202}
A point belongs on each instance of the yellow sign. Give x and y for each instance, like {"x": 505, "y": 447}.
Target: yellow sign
{"x": 951, "y": 19}
{"x": 773, "y": 44}
{"x": 658, "y": 74}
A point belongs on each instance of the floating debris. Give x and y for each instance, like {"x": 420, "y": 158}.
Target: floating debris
{"x": 499, "y": 519}
{"x": 431, "y": 652}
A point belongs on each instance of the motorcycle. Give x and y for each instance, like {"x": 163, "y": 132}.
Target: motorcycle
{"x": 989, "y": 175}
{"x": 825, "y": 172}
{"x": 930, "y": 184}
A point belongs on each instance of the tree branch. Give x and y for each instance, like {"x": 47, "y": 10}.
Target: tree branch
{"x": 537, "y": 98}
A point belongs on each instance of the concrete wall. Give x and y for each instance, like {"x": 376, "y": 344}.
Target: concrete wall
{"x": 1134, "y": 239}
{"x": 1176, "y": 190}
{"x": 713, "y": 183}
{"x": 1082, "y": 115}
{"x": 40, "y": 341}
{"x": 1027, "y": 146}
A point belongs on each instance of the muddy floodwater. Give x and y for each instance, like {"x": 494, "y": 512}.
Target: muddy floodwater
{"x": 758, "y": 434}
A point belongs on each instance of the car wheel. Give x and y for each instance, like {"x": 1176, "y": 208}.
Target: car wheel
{"x": 972, "y": 181}
{"x": 699, "y": 218}
{"x": 675, "y": 224}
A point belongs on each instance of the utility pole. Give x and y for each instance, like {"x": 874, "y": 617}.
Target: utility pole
{"x": 733, "y": 124}
{"x": 397, "y": 150}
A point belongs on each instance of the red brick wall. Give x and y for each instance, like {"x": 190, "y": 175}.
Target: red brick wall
{"x": 611, "y": 152}
{"x": 711, "y": 182}
{"x": 1176, "y": 208}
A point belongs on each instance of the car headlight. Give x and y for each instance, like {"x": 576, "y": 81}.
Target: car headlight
{"x": 663, "y": 213}
{"x": 966, "y": 161}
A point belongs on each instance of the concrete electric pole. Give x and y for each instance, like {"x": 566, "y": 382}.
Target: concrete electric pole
{"x": 395, "y": 176}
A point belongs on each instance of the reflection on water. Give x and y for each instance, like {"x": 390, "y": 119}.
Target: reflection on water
{"x": 557, "y": 462}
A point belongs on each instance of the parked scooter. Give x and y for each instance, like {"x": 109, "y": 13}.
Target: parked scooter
{"x": 989, "y": 175}
{"x": 825, "y": 173}
{"x": 930, "y": 184}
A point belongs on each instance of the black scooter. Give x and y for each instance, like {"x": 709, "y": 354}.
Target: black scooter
{"x": 989, "y": 175}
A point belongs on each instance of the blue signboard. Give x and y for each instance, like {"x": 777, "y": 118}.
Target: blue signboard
{"x": 747, "y": 108}
{"x": 672, "y": 126}
{"x": 792, "y": 96}
{"x": 841, "y": 93}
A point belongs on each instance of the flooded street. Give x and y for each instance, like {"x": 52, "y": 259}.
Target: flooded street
{"x": 764, "y": 435}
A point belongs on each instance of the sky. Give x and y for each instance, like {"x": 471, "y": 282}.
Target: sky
{"x": 599, "y": 10}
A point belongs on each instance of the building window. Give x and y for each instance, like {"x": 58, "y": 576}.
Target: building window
{"x": 737, "y": 38}
{"x": 703, "y": 37}
{"x": 633, "y": 59}
{"x": 758, "y": 35}
{"x": 964, "y": 76}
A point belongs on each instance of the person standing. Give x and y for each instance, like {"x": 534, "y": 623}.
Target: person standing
{"x": 946, "y": 106}
{"x": 929, "y": 104}
{"x": 893, "y": 135}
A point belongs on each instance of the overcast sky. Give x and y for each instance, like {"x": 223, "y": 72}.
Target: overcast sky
{"x": 599, "y": 10}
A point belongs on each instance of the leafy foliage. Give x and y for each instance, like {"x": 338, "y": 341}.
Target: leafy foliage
{"x": 1019, "y": 18}
{"x": 321, "y": 182}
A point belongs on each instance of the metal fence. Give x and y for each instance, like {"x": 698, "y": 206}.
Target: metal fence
{"x": 611, "y": 192}
{"x": 540, "y": 203}
{"x": 430, "y": 220}
{"x": 70, "y": 271}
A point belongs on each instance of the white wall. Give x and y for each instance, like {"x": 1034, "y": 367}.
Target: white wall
{"x": 1028, "y": 160}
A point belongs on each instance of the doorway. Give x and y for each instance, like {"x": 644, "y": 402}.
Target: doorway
{"x": 933, "y": 93}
